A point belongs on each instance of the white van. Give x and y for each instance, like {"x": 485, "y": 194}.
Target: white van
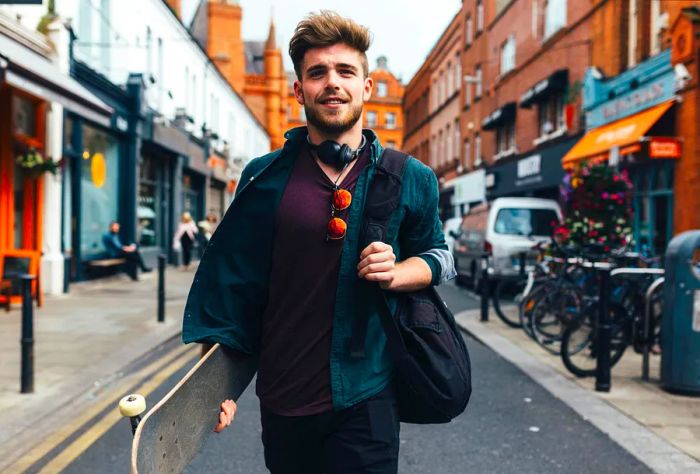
{"x": 503, "y": 228}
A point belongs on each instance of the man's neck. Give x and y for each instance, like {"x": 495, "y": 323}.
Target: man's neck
{"x": 352, "y": 137}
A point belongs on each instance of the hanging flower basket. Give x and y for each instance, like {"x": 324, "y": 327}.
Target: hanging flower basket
{"x": 34, "y": 164}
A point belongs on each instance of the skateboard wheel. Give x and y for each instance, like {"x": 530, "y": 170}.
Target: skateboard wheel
{"x": 132, "y": 405}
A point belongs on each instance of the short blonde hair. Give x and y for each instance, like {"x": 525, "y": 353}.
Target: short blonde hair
{"x": 327, "y": 28}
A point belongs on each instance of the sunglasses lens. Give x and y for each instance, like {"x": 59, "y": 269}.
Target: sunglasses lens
{"x": 336, "y": 228}
{"x": 341, "y": 199}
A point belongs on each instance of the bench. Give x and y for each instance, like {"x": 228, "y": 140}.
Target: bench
{"x": 106, "y": 262}
{"x": 103, "y": 266}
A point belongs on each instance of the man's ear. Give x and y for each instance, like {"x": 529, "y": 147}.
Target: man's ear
{"x": 298, "y": 92}
{"x": 369, "y": 86}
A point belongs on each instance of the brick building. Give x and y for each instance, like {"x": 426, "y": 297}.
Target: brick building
{"x": 253, "y": 68}
{"x": 382, "y": 113}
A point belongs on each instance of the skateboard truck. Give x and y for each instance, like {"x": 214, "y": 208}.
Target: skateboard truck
{"x": 133, "y": 406}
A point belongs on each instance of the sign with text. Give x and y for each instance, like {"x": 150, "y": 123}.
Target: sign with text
{"x": 643, "y": 97}
{"x": 664, "y": 148}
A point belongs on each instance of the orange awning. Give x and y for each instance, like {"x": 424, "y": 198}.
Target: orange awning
{"x": 626, "y": 131}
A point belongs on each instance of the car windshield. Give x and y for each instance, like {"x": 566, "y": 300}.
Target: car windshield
{"x": 526, "y": 221}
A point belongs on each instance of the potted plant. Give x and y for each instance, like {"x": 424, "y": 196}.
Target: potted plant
{"x": 33, "y": 163}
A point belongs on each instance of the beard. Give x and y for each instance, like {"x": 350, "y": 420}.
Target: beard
{"x": 334, "y": 124}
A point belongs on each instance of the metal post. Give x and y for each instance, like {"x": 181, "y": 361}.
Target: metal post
{"x": 161, "y": 288}
{"x": 603, "y": 336}
{"x": 484, "y": 284}
{"x": 27, "y": 341}
{"x": 647, "y": 329}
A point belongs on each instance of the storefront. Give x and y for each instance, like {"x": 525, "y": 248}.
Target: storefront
{"x": 464, "y": 192}
{"x": 631, "y": 121}
{"x": 33, "y": 92}
{"x": 537, "y": 174}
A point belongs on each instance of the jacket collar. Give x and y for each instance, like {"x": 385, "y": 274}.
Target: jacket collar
{"x": 297, "y": 134}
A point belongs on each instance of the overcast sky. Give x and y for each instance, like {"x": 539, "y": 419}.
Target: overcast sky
{"x": 403, "y": 30}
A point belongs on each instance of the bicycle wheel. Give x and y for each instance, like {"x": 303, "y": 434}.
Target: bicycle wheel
{"x": 579, "y": 344}
{"x": 502, "y": 293}
{"x": 528, "y": 303}
{"x": 560, "y": 305}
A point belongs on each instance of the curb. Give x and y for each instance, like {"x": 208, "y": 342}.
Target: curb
{"x": 648, "y": 447}
{"x": 44, "y": 414}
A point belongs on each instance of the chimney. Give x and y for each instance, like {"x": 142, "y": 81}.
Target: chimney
{"x": 176, "y": 7}
{"x": 382, "y": 63}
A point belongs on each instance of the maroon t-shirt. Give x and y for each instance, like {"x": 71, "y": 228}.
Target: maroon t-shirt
{"x": 294, "y": 372}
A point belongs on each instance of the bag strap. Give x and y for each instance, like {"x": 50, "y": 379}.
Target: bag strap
{"x": 383, "y": 197}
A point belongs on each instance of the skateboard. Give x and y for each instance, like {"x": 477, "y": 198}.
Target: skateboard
{"x": 173, "y": 432}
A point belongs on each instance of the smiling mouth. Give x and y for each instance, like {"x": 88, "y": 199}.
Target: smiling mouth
{"x": 333, "y": 101}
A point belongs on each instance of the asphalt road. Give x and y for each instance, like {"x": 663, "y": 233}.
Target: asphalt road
{"x": 512, "y": 425}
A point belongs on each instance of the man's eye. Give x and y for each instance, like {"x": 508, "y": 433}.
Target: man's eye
{"x": 346, "y": 72}
{"x": 316, "y": 73}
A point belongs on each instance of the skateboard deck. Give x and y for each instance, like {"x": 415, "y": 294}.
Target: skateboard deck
{"x": 173, "y": 432}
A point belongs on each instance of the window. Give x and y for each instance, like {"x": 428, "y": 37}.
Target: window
{"x": 458, "y": 72}
{"x": 554, "y": 16}
{"x": 480, "y": 16}
{"x": 468, "y": 93}
{"x": 526, "y": 222}
{"x": 449, "y": 78}
{"x": 477, "y": 150}
{"x": 435, "y": 94}
{"x": 371, "y": 118}
{"x": 441, "y": 148}
{"x": 381, "y": 89}
{"x": 477, "y": 86}
{"x": 505, "y": 138}
{"x": 632, "y": 33}
{"x": 551, "y": 115}
{"x": 656, "y": 27}
{"x": 467, "y": 150}
{"x": 441, "y": 96}
{"x": 433, "y": 152}
{"x": 390, "y": 120}
{"x": 508, "y": 55}
{"x": 147, "y": 203}
{"x": 448, "y": 144}
{"x": 470, "y": 31}
{"x": 457, "y": 139}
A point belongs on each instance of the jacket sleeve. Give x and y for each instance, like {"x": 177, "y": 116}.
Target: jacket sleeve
{"x": 421, "y": 234}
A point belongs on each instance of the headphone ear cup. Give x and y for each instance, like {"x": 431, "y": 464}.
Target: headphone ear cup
{"x": 344, "y": 155}
{"x": 329, "y": 152}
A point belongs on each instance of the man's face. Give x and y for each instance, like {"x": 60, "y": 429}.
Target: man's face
{"x": 114, "y": 228}
{"x": 333, "y": 88}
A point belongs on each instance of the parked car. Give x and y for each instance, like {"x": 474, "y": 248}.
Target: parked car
{"x": 503, "y": 229}
{"x": 450, "y": 227}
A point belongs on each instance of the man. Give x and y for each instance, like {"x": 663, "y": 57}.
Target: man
{"x": 115, "y": 249}
{"x": 291, "y": 286}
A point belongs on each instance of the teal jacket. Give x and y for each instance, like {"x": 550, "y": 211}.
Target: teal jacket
{"x": 230, "y": 289}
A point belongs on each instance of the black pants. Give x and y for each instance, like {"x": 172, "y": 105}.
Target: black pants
{"x": 186, "y": 244}
{"x": 360, "y": 439}
{"x": 133, "y": 263}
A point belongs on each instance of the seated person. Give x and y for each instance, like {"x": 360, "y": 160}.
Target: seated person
{"x": 115, "y": 249}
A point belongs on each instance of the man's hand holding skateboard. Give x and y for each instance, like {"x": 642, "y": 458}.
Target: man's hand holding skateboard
{"x": 226, "y": 415}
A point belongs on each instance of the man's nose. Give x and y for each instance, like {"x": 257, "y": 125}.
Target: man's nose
{"x": 333, "y": 81}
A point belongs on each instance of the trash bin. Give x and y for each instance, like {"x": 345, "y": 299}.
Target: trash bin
{"x": 680, "y": 325}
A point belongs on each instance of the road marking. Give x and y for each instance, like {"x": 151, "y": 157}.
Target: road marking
{"x": 85, "y": 440}
{"x": 109, "y": 399}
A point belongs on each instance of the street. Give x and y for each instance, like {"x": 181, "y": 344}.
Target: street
{"x": 511, "y": 425}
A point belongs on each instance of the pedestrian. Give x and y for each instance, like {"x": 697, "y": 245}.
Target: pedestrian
{"x": 184, "y": 238}
{"x": 208, "y": 226}
{"x": 116, "y": 249}
{"x": 285, "y": 277}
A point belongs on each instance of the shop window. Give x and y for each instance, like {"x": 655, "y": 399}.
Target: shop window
{"x": 554, "y": 17}
{"x": 146, "y": 212}
{"x": 508, "y": 55}
{"x": 371, "y": 118}
{"x": 381, "y": 89}
{"x": 24, "y": 116}
{"x": 99, "y": 189}
{"x": 390, "y": 120}
{"x": 192, "y": 196}
{"x": 551, "y": 116}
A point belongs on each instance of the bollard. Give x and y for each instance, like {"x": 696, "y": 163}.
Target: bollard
{"x": 161, "y": 288}
{"x": 484, "y": 284}
{"x": 602, "y": 373}
{"x": 27, "y": 341}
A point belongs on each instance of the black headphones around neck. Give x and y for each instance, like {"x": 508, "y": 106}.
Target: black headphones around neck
{"x": 333, "y": 153}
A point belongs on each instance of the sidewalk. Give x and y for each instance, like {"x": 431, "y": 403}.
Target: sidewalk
{"x": 641, "y": 409}
{"x": 82, "y": 341}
